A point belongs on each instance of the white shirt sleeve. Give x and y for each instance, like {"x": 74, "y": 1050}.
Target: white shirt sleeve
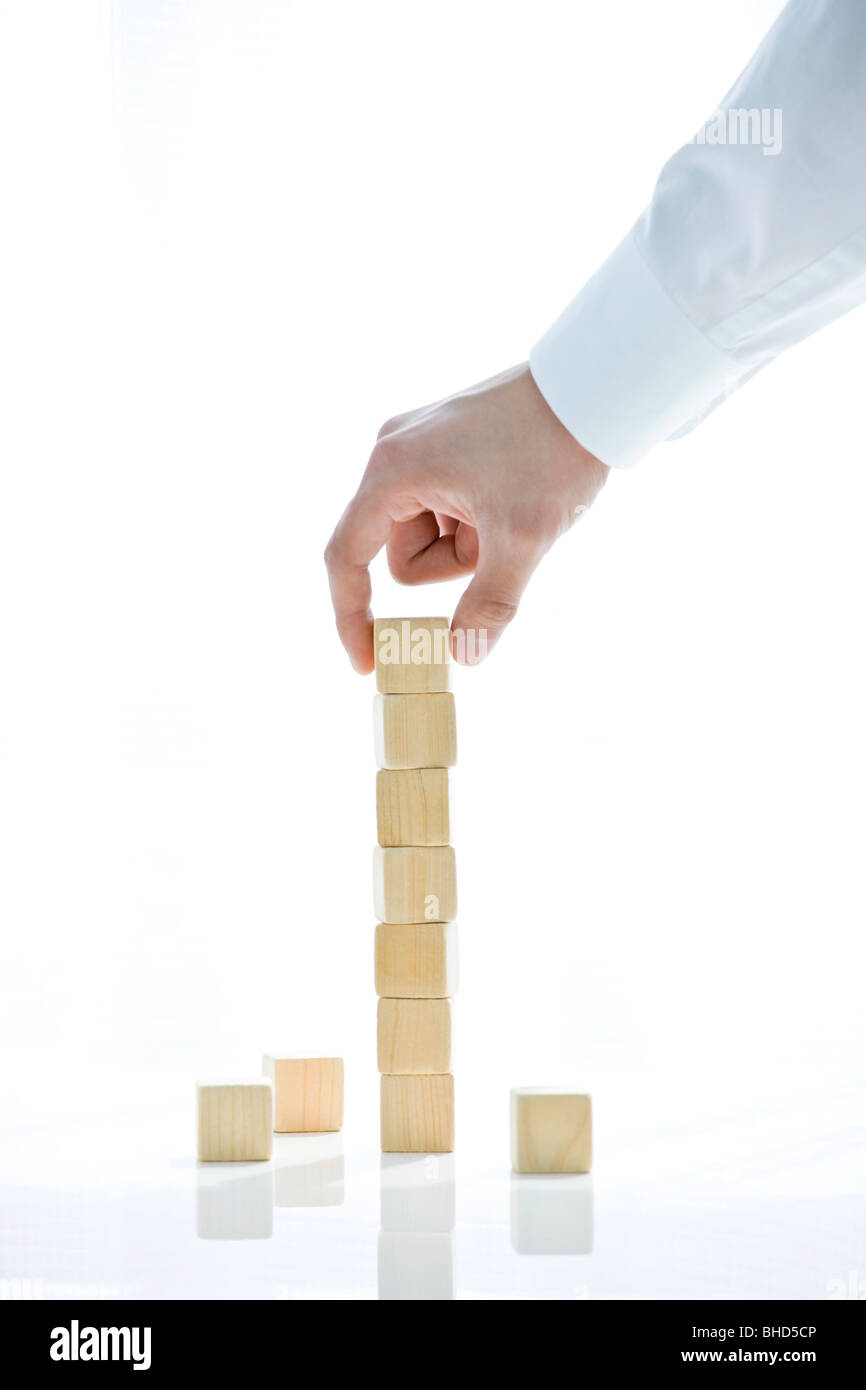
{"x": 755, "y": 237}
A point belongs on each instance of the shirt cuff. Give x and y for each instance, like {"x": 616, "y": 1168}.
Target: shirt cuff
{"x": 623, "y": 368}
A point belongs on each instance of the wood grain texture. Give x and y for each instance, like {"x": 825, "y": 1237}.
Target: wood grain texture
{"x": 235, "y": 1120}
{"x": 412, "y": 806}
{"x": 551, "y": 1130}
{"x": 415, "y": 1036}
{"x": 416, "y": 960}
{"x": 417, "y": 1114}
{"x": 308, "y": 1093}
{"x": 412, "y": 655}
{"x": 415, "y": 884}
{"x": 415, "y": 730}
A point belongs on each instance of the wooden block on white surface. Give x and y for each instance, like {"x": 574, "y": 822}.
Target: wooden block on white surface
{"x": 415, "y": 1036}
{"x": 412, "y": 655}
{"x": 551, "y": 1130}
{"x": 415, "y": 884}
{"x": 412, "y": 806}
{"x": 308, "y": 1093}
{"x": 416, "y": 960}
{"x": 417, "y": 1114}
{"x": 235, "y": 1120}
{"x": 415, "y": 730}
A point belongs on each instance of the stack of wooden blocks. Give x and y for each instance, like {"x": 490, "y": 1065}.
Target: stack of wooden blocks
{"x": 415, "y": 887}
{"x": 415, "y": 895}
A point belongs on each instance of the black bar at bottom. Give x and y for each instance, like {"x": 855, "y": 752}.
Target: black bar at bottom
{"x": 241, "y": 1337}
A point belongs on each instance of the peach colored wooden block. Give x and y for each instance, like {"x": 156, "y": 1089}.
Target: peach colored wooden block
{"x": 414, "y": 1036}
{"x": 551, "y": 1130}
{"x": 412, "y": 655}
{"x": 417, "y": 1114}
{"x": 235, "y": 1120}
{"x": 416, "y": 960}
{"x": 308, "y": 1093}
{"x": 415, "y": 730}
{"x": 412, "y": 806}
{"x": 415, "y": 884}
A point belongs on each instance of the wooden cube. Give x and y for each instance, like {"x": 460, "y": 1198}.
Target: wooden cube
{"x": 412, "y": 806}
{"x": 308, "y": 1093}
{"x": 415, "y": 884}
{"x": 415, "y": 730}
{"x": 414, "y": 1036}
{"x": 551, "y": 1130}
{"x": 416, "y": 960}
{"x": 417, "y": 1114}
{"x": 235, "y": 1120}
{"x": 412, "y": 655}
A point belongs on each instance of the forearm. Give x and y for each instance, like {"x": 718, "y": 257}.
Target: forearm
{"x": 755, "y": 237}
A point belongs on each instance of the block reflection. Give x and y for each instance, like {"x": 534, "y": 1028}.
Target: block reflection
{"x": 309, "y": 1170}
{"x": 234, "y": 1201}
{"x": 551, "y": 1214}
{"x": 417, "y": 1247}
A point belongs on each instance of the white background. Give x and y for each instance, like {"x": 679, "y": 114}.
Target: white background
{"x": 237, "y": 236}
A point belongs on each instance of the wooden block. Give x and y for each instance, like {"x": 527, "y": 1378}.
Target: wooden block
{"x": 412, "y": 655}
{"x": 412, "y": 806}
{"x": 415, "y": 884}
{"x": 551, "y": 1130}
{"x": 416, "y": 960}
{"x": 415, "y": 1036}
{"x": 235, "y": 1120}
{"x": 417, "y": 1114}
{"x": 415, "y": 730}
{"x": 308, "y": 1093}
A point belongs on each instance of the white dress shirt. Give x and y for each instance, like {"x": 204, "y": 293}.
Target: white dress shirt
{"x": 755, "y": 237}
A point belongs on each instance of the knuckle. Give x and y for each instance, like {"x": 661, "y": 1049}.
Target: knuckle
{"x": 399, "y": 566}
{"x": 520, "y": 537}
{"x": 383, "y": 458}
{"x": 533, "y": 529}
{"x": 495, "y": 612}
{"x": 390, "y": 425}
{"x": 332, "y": 552}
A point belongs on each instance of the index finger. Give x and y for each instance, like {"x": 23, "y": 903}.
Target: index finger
{"x": 359, "y": 536}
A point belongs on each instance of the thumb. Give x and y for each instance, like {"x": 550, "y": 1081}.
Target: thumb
{"x": 491, "y": 600}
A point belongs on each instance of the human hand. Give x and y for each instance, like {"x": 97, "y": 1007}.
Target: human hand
{"x": 484, "y": 481}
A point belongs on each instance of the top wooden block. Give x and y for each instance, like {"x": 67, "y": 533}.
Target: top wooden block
{"x": 412, "y": 655}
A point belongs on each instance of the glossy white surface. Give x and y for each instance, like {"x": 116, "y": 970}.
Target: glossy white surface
{"x": 754, "y": 1207}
